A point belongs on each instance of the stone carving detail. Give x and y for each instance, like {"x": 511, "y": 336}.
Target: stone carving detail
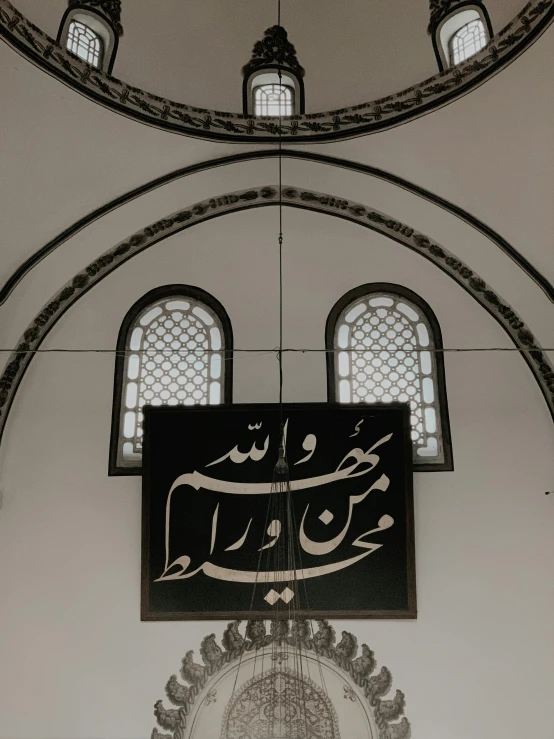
{"x": 33, "y": 336}
{"x": 192, "y": 672}
{"x": 324, "y": 638}
{"x": 178, "y": 694}
{"x": 210, "y": 652}
{"x": 255, "y": 632}
{"x": 110, "y": 9}
{"x": 259, "y": 711}
{"x": 367, "y": 117}
{"x": 347, "y": 647}
{"x": 233, "y": 640}
{"x": 364, "y": 665}
{"x": 323, "y": 720}
{"x": 274, "y": 48}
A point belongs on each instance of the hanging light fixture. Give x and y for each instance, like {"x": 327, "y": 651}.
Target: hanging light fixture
{"x": 294, "y": 684}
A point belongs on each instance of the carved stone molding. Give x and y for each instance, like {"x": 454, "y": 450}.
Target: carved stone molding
{"x": 365, "y": 118}
{"x": 365, "y": 216}
{"x": 308, "y": 156}
{"x": 110, "y": 9}
{"x": 274, "y": 48}
{"x": 358, "y": 673}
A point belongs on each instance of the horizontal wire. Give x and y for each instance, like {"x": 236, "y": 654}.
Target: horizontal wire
{"x": 276, "y": 350}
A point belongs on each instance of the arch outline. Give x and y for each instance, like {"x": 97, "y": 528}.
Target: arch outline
{"x": 152, "y": 296}
{"x": 366, "y": 290}
{"x": 270, "y": 195}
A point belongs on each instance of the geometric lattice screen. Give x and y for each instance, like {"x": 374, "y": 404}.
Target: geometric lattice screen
{"x": 174, "y": 354}
{"x": 383, "y": 354}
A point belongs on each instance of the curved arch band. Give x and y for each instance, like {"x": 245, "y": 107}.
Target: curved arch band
{"x": 344, "y": 123}
{"x": 294, "y": 197}
{"x": 309, "y": 156}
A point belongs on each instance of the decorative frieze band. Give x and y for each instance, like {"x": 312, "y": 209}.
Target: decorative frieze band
{"x": 365, "y": 118}
{"x": 467, "y": 278}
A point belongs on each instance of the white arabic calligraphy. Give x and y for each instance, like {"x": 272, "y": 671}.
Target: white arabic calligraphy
{"x": 309, "y": 445}
{"x": 238, "y": 457}
{"x": 357, "y": 429}
{"x": 326, "y": 547}
{"x": 364, "y": 462}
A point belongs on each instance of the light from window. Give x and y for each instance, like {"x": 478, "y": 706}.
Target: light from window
{"x": 84, "y": 43}
{"x": 273, "y": 99}
{"x": 175, "y": 350}
{"x": 385, "y": 354}
{"x": 466, "y": 42}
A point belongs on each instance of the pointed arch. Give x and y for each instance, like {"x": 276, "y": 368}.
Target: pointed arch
{"x": 268, "y": 195}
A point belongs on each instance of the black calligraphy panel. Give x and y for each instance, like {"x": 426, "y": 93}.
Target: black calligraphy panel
{"x": 218, "y": 540}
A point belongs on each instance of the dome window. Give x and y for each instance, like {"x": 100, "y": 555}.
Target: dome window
{"x": 459, "y": 30}
{"x": 90, "y": 29}
{"x": 273, "y": 79}
{"x": 466, "y": 42}
{"x": 85, "y": 43}
{"x": 273, "y": 95}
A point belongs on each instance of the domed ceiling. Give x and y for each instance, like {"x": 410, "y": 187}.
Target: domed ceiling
{"x": 353, "y": 51}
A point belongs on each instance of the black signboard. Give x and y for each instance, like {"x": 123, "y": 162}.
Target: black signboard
{"x": 208, "y": 512}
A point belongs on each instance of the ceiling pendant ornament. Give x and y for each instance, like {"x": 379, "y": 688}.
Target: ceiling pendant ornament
{"x": 274, "y": 49}
{"x": 110, "y": 9}
{"x": 210, "y": 700}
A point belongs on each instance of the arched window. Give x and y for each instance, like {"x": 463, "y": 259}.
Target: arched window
{"x": 85, "y": 43}
{"x": 466, "y": 42}
{"x": 91, "y": 31}
{"x": 273, "y": 99}
{"x": 459, "y": 35}
{"x": 174, "y": 348}
{"x": 273, "y": 83}
{"x": 382, "y": 341}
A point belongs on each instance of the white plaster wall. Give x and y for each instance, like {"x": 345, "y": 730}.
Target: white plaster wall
{"x": 75, "y": 660}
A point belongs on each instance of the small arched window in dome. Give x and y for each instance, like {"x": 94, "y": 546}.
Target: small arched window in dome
{"x": 460, "y": 34}
{"x": 273, "y": 95}
{"x": 382, "y": 343}
{"x": 174, "y": 348}
{"x": 466, "y": 42}
{"x": 85, "y": 43}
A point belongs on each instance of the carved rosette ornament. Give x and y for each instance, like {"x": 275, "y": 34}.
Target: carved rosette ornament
{"x": 110, "y": 9}
{"x": 355, "y": 675}
{"x": 274, "y": 49}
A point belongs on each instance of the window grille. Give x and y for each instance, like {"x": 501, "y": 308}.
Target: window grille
{"x": 83, "y": 42}
{"x": 175, "y": 352}
{"x": 274, "y": 100}
{"x": 466, "y": 42}
{"x": 383, "y": 346}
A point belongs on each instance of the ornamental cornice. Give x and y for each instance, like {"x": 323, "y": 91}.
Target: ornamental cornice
{"x": 274, "y": 49}
{"x": 110, "y": 9}
{"x": 343, "y": 123}
{"x": 102, "y": 266}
